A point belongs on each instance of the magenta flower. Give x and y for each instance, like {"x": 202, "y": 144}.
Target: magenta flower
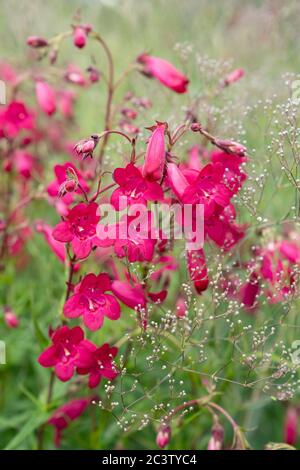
{"x": 155, "y": 154}
{"x": 134, "y": 188}
{"x": 57, "y": 247}
{"x": 132, "y": 296}
{"x": 66, "y": 413}
{"x": 10, "y": 318}
{"x": 63, "y": 353}
{"x": 197, "y": 269}
{"x": 60, "y": 187}
{"x": 79, "y": 37}
{"x": 79, "y": 229}
{"x": 165, "y": 72}
{"x": 46, "y": 97}
{"x": 13, "y": 118}
{"x": 36, "y": 41}
{"x": 163, "y": 436}
{"x": 291, "y": 426}
{"x": 91, "y": 300}
{"x": 97, "y": 362}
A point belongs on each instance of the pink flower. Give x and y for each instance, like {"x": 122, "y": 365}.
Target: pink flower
{"x": 197, "y": 268}
{"x": 67, "y": 173}
{"x": 250, "y": 291}
{"x": 233, "y": 176}
{"x": 36, "y": 41}
{"x": 155, "y": 154}
{"x": 66, "y": 413}
{"x": 79, "y": 37}
{"x": 74, "y": 75}
{"x": 217, "y": 438}
{"x": 92, "y": 302}
{"x": 86, "y": 147}
{"x": 177, "y": 180}
{"x": 208, "y": 189}
{"x": 63, "y": 353}
{"x": 132, "y": 296}
{"x": 134, "y": 188}
{"x": 291, "y": 426}
{"x": 163, "y": 436}
{"x": 10, "y": 318}
{"x": 65, "y": 103}
{"x": 165, "y": 72}
{"x": 13, "y": 118}
{"x": 97, "y": 362}
{"x": 24, "y": 163}
{"x": 79, "y": 229}
{"x": 181, "y": 308}
{"x": 58, "y": 248}
{"x": 46, "y": 97}
{"x": 234, "y": 76}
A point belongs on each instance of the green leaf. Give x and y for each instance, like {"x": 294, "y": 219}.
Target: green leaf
{"x": 32, "y": 424}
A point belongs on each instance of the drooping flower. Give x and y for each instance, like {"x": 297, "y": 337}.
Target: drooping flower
{"x": 197, "y": 268}
{"x": 58, "y": 248}
{"x": 132, "y": 296}
{"x": 68, "y": 180}
{"x": 165, "y": 72}
{"x": 97, "y": 362}
{"x": 91, "y": 300}
{"x": 291, "y": 426}
{"x": 133, "y": 188}
{"x": 79, "y": 229}
{"x": 66, "y": 413}
{"x": 46, "y": 97}
{"x": 155, "y": 154}
{"x": 63, "y": 353}
{"x": 217, "y": 437}
{"x": 86, "y": 147}
{"x": 13, "y": 118}
{"x": 163, "y": 436}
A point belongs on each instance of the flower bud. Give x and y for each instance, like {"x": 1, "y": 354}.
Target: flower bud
{"x": 36, "y": 42}
{"x": 10, "y": 318}
{"x": 229, "y": 146}
{"x": 181, "y": 308}
{"x": 163, "y": 436}
{"x": 79, "y": 37}
{"x": 155, "y": 154}
{"x": 94, "y": 74}
{"x": 195, "y": 127}
{"x": 85, "y": 147}
{"x": 217, "y": 438}
{"x": 234, "y": 76}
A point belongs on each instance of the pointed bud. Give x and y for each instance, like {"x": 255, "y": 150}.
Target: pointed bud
{"x": 36, "y": 42}
{"x": 155, "y": 154}
{"x": 234, "y": 76}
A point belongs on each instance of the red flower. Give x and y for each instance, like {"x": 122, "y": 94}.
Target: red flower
{"x": 66, "y": 413}
{"x": 134, "y": 188}
{"x": 165, "y": 72}
{"x": 46, "y": 97}
{"x": 79, "y": 229}
{"x": 92, "y": 302}
{"x": 14, "y": 118}
{"x": 97, "y": 362}
{"x": 63, "y": 353}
